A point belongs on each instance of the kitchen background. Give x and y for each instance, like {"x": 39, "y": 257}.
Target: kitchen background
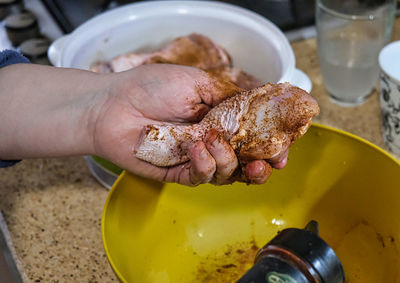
{"x": 61, "y": 191}
{"x": 57, "y": 17}
{"x": 287, "y": 14}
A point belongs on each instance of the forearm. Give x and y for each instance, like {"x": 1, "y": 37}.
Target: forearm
{"x": 47, "y": 111}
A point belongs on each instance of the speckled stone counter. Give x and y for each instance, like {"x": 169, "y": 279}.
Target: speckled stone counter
{"x": 53, "y": 211}
{"x": 53, "y": 207}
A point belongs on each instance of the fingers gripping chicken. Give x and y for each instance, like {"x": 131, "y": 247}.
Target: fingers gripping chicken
{"x": 259, "y": 124}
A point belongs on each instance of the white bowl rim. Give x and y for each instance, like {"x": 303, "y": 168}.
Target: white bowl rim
{"x": 153, "y": 8}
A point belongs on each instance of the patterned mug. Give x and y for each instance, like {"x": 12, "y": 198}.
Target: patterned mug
{"x": 389, "y": 62}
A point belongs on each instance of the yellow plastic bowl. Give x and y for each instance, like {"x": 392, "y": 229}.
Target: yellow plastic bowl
{"x": 155, "y": 232}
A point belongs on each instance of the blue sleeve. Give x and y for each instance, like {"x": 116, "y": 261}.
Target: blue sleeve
{"x": 9, "y": 57}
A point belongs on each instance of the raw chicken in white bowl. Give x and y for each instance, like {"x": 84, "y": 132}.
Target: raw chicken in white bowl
{"x": 255, "y": 44}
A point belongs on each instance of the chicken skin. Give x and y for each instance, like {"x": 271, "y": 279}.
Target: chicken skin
{"x": 194, "y": 50}
{"x": 259, "y": 124}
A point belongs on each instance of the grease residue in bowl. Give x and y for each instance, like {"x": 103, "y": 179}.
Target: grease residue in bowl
{"x": 227, "y": 264}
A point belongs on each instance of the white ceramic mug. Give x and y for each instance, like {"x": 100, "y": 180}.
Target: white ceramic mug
{"x": 389, "y": 62}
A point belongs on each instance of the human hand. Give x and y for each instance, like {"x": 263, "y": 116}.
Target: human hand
{"x": 153, "y": 94}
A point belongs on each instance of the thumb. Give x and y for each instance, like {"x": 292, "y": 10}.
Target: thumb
{"x": 212, "y": 89}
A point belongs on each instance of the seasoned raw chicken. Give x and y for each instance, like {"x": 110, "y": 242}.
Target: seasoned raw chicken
{"x": 194, "y": 50}
{"x": 236, "y": 76}
{"x": 259, "y": 124}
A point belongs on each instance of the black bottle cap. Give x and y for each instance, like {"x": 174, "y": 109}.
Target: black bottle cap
{"x": 8, "y": 7}
{"x": 9, "y": 2}
{"x": 21, "y": 26}
{"x": 35, "y": 49}
{"x": 20, "y": 21}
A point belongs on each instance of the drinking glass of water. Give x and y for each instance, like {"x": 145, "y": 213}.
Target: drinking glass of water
{"x": 350, "y": 34}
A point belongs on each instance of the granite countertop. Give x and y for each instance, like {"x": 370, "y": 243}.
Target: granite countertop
{"x": 53, "y": 207}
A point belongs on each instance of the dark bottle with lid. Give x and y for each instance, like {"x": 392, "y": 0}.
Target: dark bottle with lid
{"x": 21, "y": 26}
{"x": 296, "y": 256}
{"x": 8, "y": 7}
{"x": 35, "y": 49}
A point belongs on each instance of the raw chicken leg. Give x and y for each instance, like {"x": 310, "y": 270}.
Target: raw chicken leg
{"x": 194, "y": 50}
{"x": 259, "y": 124}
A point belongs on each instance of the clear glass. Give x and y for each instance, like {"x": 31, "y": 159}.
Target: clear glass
{"x": 350, "y": 34}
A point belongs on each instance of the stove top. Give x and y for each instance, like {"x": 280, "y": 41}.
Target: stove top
{"x": 286, "y": 14}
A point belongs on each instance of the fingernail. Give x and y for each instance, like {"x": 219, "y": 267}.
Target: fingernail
{"x": 197, "y": 149}
{"x": 263, "y": 174}
{"x": 204, "y": 154}
{"x": 211, "y": 137}
{"x": 259, "y": 170}
{"x": 280, "y": 164}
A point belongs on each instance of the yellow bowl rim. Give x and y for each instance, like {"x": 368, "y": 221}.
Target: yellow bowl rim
{"x": 114, "y": 267}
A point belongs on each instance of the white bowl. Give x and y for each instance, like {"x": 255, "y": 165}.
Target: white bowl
{"x": 256, "y": 45}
